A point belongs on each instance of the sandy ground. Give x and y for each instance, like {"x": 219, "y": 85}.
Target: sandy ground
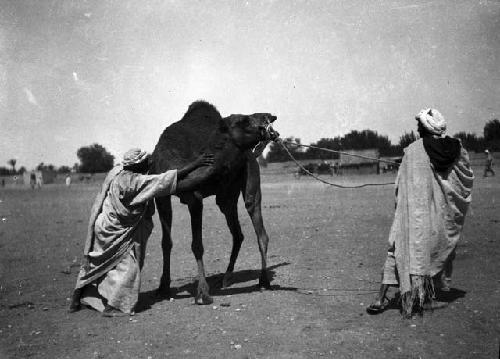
{"x": 326, "y": 251}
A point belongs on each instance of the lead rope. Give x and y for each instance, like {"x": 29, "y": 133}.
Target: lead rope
{"x": 326, "y": 182}
{"x": 341, "y": 152}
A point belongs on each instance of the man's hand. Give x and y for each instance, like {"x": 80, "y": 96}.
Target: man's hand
{"x": 203, "y": 160}
{"x": 273, "y": 134}
{"x": 206, "y": 159}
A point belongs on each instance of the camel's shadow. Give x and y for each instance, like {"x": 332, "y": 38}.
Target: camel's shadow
{"x": 149, "y": 298}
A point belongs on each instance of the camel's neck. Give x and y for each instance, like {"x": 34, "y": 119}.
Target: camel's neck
{"x": 229, "y": 157}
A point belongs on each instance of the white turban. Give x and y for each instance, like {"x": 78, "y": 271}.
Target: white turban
{"x": 432, "y": 120}
{"x": 134, "y": 156}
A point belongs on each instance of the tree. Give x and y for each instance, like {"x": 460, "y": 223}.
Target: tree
{"x": 492, "y": 135}
{"x": 361, "y": 140}
{"x": 43, "y": 167}
{"x": 406, "y": 139}
{"x": 354, "y": 140}
{"x": 13, "y": 162}
{"x": 329, "y": 143}
{"x": 94, "y": 159}
{"x": 4, "y": 171}
{"x": 64, "y": 169}
{"x": 492, "y": 130}
{"x": 470, "y": 141}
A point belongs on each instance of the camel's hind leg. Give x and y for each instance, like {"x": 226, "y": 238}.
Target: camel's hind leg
{"x": 164, "y": 206}
{"x": 229, "y": 207}
{"x": 253, "y": 198}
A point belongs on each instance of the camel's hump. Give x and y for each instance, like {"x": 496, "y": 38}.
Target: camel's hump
{"x": 183, "y": 140}
{"x": 201, "y": 109}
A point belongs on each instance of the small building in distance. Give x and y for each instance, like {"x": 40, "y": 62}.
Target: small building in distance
{"x": 41, "y": 177}
{"x": 357, "y": 165}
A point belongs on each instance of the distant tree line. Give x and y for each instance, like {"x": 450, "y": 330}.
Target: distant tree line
{"x": 354, "y": 140}
{"x": 93, "y": 159}
{"x": 4, "y": 171}
{"x": 490, "y": 139}
{"x": 367, "y": 139}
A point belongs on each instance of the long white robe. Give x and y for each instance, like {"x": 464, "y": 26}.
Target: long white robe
{"x": 119, "y": 226}
{"x": 430, "y": 213}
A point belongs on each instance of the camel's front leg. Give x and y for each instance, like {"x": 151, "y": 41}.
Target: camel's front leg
{"x": 253, "y": 197}
{"x": 195, "y": 205}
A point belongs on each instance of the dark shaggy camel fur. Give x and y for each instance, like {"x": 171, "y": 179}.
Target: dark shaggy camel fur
{"x": 231, "y": 140}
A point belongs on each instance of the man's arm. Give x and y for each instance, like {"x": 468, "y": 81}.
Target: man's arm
{"x": 147, "y": 187}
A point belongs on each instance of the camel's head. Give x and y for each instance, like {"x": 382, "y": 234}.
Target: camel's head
{"x": 248, "y": 130}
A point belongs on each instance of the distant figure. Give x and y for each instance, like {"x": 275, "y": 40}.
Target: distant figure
{"x": 39, "y": 179}
{"x": 3, "y": 182}
{"x": 32, "y": 180}
{"x": 68, "y": 180}
{"x": 433, "y": 193}
{"x": 337, "y": 168}
{"x": 488, "y": 166}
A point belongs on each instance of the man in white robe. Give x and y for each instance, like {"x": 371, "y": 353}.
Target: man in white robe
{"x": 433, "y": 187}
{"x": 119, "y": 227}
{"x": 488, "y": 165}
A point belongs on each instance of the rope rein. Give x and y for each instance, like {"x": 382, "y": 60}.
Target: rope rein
{"x": 344, "y": 153}
{"x": 282, "y": 143}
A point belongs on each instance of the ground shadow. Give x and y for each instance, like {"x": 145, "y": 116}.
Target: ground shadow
{"x": 447, "y": 297}
{"x": 450, "y": 296}
{"x": 149, "y": 298}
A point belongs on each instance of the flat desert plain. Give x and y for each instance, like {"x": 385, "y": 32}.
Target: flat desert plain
{"x": 327, "y": 247}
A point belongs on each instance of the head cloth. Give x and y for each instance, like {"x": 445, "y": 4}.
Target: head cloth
{"x": 432, "y": 120}
{"x": 134, "y": 156}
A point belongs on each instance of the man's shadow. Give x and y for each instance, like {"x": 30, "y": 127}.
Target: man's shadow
{"x": 450, "y": 296}
{"x": 149, "y": 298}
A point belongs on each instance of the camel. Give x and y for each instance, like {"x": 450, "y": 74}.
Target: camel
{"x": 235, "y": 170}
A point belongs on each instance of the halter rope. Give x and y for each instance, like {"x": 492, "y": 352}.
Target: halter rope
{"x": 282, "y": 143}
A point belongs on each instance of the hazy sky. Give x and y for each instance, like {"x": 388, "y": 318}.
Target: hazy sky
{"x": 73, "y": 73}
